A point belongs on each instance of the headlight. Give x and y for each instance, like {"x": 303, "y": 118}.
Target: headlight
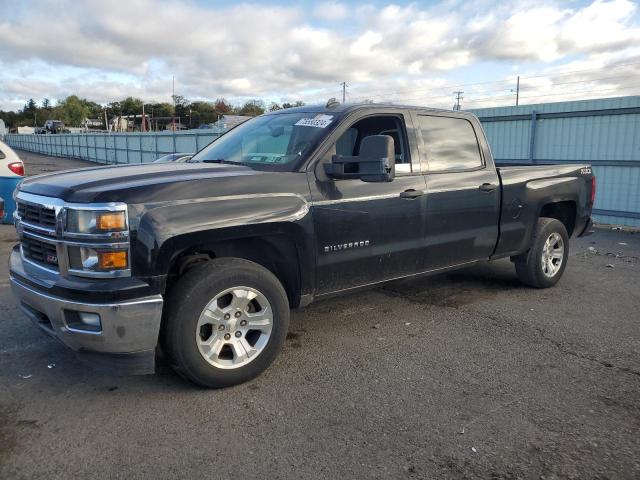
{"x": 98, "y": 243}
{"x": 95, "y": 222}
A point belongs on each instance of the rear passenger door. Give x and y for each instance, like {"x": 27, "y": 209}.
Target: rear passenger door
{"x": 463, "y": 192}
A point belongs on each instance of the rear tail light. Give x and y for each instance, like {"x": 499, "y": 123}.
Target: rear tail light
{"x": 17, "y": 168}
{"x": 593, "y": 190}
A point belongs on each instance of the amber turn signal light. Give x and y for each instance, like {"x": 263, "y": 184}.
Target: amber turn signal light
{"x": 112, "y": 260}
{"x": 111, "y": 221}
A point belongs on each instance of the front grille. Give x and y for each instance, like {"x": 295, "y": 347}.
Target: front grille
{"x": 37, "y": 215}
{"x": 42, "y": 253}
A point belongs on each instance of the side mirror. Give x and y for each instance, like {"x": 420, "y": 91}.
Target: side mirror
{"x": 376, "y": 162}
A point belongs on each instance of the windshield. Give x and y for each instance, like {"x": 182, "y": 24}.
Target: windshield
{"x": 276, "y": 141}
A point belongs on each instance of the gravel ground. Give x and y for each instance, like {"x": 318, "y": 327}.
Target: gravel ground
{"x": 464, "y": 375}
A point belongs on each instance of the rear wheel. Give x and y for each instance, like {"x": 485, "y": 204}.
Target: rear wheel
{"x": 225, "y": 322}
{"x": 544, "y": 263}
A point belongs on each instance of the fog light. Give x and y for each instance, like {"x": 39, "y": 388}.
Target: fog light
{"x": 83, "y": 321}
{"x": 90, "y": 319}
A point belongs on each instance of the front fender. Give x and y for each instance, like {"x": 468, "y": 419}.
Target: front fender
{"x": 165, "y": 230}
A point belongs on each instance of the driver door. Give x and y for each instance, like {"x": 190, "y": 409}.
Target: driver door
{"x": 369, "y": 232}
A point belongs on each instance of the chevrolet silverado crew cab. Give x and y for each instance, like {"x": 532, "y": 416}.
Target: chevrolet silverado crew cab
{"x": 203, "y": 260}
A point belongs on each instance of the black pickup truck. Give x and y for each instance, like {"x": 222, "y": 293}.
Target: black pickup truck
{"x": 203, "y": 260}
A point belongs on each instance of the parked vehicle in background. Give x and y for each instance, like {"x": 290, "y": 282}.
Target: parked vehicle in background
{"x": 54, "y": 126}
{"x": 11, "y": 173}
{"x": 174, "y": 157}
{"x": 206, "y": 258}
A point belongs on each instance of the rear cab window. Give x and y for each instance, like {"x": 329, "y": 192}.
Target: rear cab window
{"x": 449, "y": 144}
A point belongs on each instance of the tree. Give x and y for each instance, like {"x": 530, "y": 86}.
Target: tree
{"x": 222, "y": 106}
{"x": 299, "y": 103}
{"x": 46, "y": 104}
{"x": 159, "y": 109}
{"x": 203, "y": 112}
{"x": 274, "y": 106}
{"x": 30, "y": 112}
{"x": 131, "y": 106}
{"x": 73, "y": 110}
{"x": 252, "y": 108}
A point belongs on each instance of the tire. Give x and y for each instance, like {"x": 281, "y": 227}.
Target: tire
{"x": 533, "y": 268}
{"x": 197, "y": 323}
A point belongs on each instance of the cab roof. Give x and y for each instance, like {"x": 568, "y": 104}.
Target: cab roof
{"x": 345, "y": 108}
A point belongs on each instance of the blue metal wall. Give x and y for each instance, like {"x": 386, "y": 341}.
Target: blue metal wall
{"x": 603, "y": 132}
{"x": 114, "y": 148}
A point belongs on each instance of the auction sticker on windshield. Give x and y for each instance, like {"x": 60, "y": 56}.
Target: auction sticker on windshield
{"x": 319, "y": 121}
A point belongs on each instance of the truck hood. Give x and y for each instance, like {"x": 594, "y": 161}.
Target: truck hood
{"x": 140, "y": 183}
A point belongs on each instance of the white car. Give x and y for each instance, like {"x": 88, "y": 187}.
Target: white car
{"x": 11, "y": 173}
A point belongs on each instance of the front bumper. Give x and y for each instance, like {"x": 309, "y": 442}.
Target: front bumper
{"x": 126, "y": 341}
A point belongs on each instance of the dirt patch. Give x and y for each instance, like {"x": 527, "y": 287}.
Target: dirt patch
{"x": 454, "y": 290}
{"x": 8, "y": 435}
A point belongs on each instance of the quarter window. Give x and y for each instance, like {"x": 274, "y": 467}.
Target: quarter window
{"x": 450, "y": 143}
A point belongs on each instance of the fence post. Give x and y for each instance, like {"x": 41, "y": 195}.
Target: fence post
{"x": 532, "y": 136}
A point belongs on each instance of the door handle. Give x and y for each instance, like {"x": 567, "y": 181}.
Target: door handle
{"x": 411, "y": 194}
{"x": 488, "y": 187}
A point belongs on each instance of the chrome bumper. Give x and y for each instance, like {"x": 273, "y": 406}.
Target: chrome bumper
{"x": 129, "y": 330}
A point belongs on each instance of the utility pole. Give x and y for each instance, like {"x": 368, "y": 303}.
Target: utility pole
{"x": 459, "y": 97}
{"x": 518, "y": 91}
{"x": 344, "y": 92}
{"x": 173, "y": 96}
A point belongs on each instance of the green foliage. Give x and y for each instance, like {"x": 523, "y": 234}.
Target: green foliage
{"x": 252, "y": 108}
{"x": 299, "y": 103}
{"x": 73, "y": 110}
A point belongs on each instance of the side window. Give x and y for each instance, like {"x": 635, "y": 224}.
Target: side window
{"x": 450, "y": 143}
{"x": 2, "y": 155}
{"x": 349, "y": 143}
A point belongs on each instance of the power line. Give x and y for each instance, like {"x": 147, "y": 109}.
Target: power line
{"x": 523, "y": 79}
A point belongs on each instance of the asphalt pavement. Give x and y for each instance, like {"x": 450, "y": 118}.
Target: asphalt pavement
{"x": 463, "y": 375}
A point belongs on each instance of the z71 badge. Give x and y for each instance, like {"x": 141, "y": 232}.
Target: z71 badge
{"x": 345, "y": 246}
{"x": 585, "y": 171}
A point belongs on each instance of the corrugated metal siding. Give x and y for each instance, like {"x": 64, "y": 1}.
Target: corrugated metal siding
{"x": 609, "y": 140}
{"x": 114, "y": 148}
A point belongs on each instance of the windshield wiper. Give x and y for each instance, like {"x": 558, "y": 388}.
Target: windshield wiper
{"x": 219, "y": 160}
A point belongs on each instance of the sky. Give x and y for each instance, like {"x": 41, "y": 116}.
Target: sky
{"x": 417, "y": 53}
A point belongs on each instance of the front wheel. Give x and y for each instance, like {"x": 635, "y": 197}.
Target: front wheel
{"x": 225, "y": 322}
{"x": 544, "y": 263}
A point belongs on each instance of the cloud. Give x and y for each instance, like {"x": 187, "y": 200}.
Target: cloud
{"x": 331, "y": 11}
{"x": 106, "y": 50}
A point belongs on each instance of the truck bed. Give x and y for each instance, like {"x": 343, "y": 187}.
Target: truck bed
{"x": 525, "y": 192}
